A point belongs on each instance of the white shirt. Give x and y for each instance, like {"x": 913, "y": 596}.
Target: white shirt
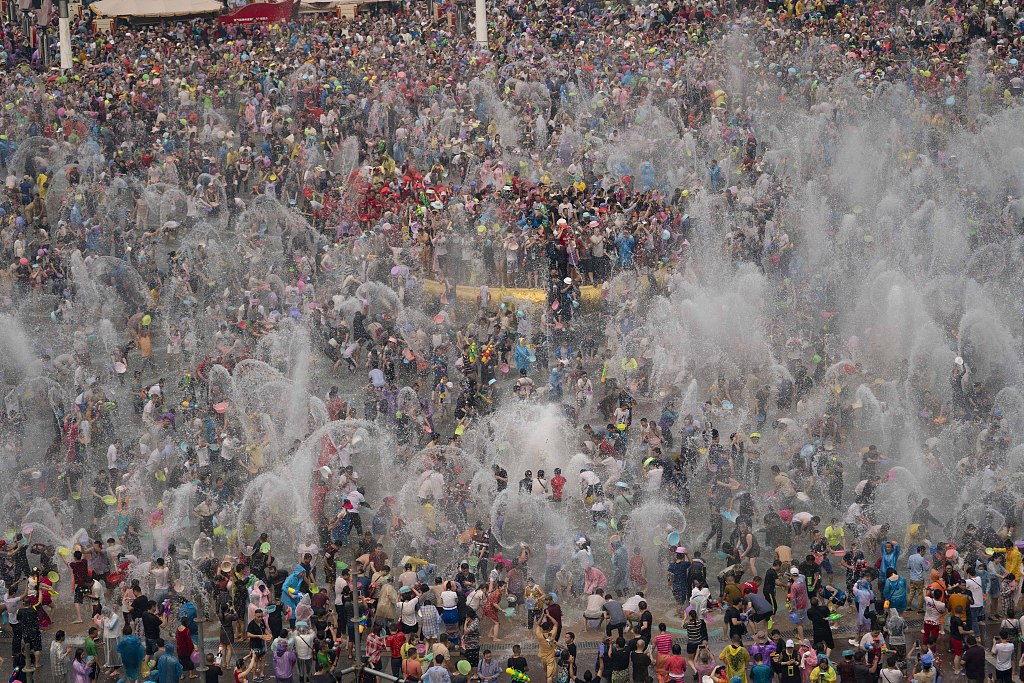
{"x": 868, "y": 639}
{"x": 933, "y": 611}
{"x": 304, "y": 645}
{"x": 408, "y": 609}
{"x": 1004, "y": 656}
{"x": 449, "y": 599}
{"x": 112, "y": 457}
{"x": 890, "y": 676}
{"x": 595, "y": 601}
{"x": 633, "y": 604}
{"x": 356, "y": 499}
{"x": 475, "y": 600}
{"x": 977, "y": 593}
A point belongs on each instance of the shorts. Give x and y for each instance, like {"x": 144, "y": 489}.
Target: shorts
{"x": 958, "y": 647}
{"x": 410, "y": 628}
{"x": 80, "y": 593}
{"x": 691, "y": 648}
{"x": 930, "y": 631}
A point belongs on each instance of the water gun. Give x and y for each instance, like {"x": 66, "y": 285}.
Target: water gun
{"x": 517, "y": 676}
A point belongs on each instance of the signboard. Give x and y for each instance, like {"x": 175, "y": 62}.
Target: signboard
{"x": 259, "y": 13}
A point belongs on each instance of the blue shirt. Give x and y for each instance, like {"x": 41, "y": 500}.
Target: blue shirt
{"x": 489, "y": 671}
{"x": 437, "y": 674}
{"x": 917, "y": 566}
{"x": 679, "y": 572}
{"x": 761, "y": 673}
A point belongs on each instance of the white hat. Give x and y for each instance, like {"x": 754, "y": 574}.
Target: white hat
{"x": 794, "y": 570}
{"x": 790, "y": 643}
{"x": 958, "y": 360}
{"x": 567, "y": 280}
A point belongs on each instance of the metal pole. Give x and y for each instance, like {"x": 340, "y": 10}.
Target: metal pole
{"x": 64, "y": 36}
{"x": 481, "y": 23}
{"x": 358, "y": 667}
{"x": 201, "y": 623}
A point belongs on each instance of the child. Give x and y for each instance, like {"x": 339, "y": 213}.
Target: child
{"x": 517, "y": 661}
{"x": 1008, "y": 593}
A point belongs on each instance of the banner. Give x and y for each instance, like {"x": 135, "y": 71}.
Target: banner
{"x": 259, "y": 13}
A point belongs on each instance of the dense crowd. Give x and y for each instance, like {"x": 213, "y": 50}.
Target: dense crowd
{"x": 245, "y": 261}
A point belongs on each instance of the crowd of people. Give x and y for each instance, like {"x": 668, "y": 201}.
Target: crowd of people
{"x": 245, "y": 263}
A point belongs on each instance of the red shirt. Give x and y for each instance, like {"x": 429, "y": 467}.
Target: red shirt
{"x": 80, "y": 572}
{"x": 663, "y": 643}
{"x": 557, "y": 484}
{"x": 395, "y": 641}
{"x": 676, "y": 667}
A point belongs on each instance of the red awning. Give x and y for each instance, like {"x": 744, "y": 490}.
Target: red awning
{"x": 258, "y": 13}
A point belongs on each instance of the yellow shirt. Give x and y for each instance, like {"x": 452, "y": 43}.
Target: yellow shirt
{"x": 835, "y": 536}
{"x": 826, "y": 676}
{"x": 1013, "y": 561}
{"x": 736, "y": 659}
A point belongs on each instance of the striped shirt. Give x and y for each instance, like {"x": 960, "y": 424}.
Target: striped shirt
{"x": 59, "y": 662}
{"x": 663, "y": 644}
{"x": 696, "y": 632}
